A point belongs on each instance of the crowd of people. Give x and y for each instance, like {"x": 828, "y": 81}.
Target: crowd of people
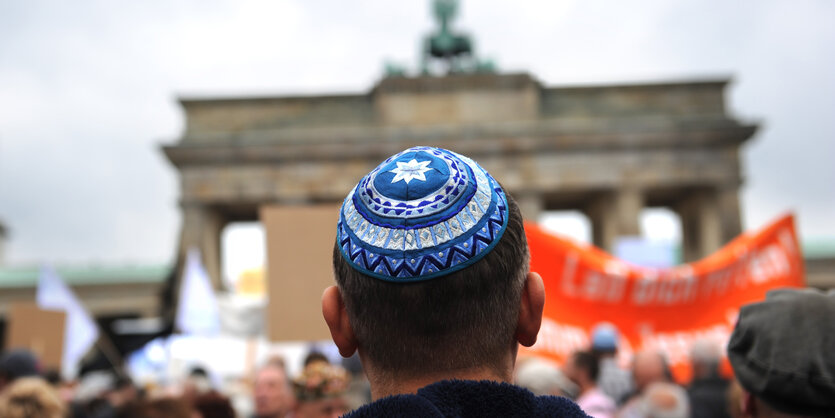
{"x": 434, "y": 295}
{"x": 603, "y": 389}
{"x": 320, "y": 390}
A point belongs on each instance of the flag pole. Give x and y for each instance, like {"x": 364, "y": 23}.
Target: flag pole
{"x": 110, "y": 352}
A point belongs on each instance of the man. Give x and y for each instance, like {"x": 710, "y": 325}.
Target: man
{"x": 273, "y": 396}
{"x": 648, "y": 367}
{"x": 583, "y": 369}
{"x": 613, "y": 381}
{"x": 708, "y": 391}
{"x": 433, "y": 290}
{"x": 321, "y": 390}
{"x": 781, "y": 351}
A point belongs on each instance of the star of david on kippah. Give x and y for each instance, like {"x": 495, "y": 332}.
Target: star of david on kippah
{"x": 423, "y": 213}
{"x": 412, "y": 170}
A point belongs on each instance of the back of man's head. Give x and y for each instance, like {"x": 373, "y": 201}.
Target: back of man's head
{"x": 649, "y": 366}
{"x": 586, "y": 367}
{"x": 781, "y": 352}
{"x": 431, "y": 260}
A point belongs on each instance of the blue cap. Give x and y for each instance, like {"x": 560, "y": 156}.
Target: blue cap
{"x": 423, "y": 213}
{"x": 604, "y": 337}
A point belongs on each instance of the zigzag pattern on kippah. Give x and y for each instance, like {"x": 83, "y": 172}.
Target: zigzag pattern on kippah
{"x": 389, "y": 243}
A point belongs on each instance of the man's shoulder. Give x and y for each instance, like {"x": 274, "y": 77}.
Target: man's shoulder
{"x": 463, "y": 398}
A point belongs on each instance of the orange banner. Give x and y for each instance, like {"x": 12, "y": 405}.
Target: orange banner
{"x": 663, "y": 309}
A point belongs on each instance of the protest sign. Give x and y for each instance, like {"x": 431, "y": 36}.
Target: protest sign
{"x": 656, "y": 308}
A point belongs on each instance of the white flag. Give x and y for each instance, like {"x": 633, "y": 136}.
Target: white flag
{"x": 197, "y": 310}
{"x": 80, "y": 331}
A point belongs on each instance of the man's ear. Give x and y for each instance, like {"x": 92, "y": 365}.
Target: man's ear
{"x": 333, "y": 310}
{"x": 530, "y": 310}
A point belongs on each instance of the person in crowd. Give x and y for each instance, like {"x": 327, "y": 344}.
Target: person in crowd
{"x": 314, "y": 356}
{"x": 166, "y": 407}
{"x": 212, "y": 404}
{"x": 614, "y": 381}
{"x": 31, "y": 397}
{"x": 434, "y": 290}
{"x": 708, "y": 391}
{"x": 124, "y": 391}
{"x": 15, "y": 364}
{"x": 277, "y": 361}
{"x": 781, "y": 351}
{"x": 664, "y": 400}
{"x": 101, "y": 393}
{"x": 648, "y": 367}
{"x": 66, "y": 392}
{"x": 273, "y": 395}
{"x": 544, "y": 378}
{"x": 320, "y": 391}
{"x": 582, "y": 368}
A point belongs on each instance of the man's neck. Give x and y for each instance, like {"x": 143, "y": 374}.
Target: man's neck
{"x": 387, "y": 386}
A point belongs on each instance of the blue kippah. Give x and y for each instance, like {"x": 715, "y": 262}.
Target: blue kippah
{"x": 423, "y": 213}
{"x": 604, "y": 337}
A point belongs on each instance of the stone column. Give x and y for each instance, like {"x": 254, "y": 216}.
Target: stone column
{"x": 202, "y": 227}
{"x": 629, "y": 201}
{"x": 730, "y": 218}
{"x": 701, "y": 223}
{"x": 615, "y": 214}
{"x": 603, "y": 228}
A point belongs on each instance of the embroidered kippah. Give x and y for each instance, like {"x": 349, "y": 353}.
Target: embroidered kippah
{"x": 423, "y": 213}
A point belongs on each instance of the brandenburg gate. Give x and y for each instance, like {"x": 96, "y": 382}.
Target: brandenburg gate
{"x": 608, "y": 151}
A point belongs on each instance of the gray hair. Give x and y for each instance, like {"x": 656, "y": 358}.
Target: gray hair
{"x": 705, "y": 352}
{"x": 543, "y": 378}
{"x": 665, "y": 400}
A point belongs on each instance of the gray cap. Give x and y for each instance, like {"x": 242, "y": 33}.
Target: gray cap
{"x": 782, "y": 351}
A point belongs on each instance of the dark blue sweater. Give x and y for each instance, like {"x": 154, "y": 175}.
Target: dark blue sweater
{"x": 467, "y": 398}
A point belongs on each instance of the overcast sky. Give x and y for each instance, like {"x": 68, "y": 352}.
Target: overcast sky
{"x": 88, "y": 92}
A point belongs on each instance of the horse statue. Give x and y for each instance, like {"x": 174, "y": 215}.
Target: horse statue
{"x": 456, "y": 49}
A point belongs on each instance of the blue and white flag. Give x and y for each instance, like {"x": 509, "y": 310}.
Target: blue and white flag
{"x": 80, "y": 330}
{"x": 197, "y": 310}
